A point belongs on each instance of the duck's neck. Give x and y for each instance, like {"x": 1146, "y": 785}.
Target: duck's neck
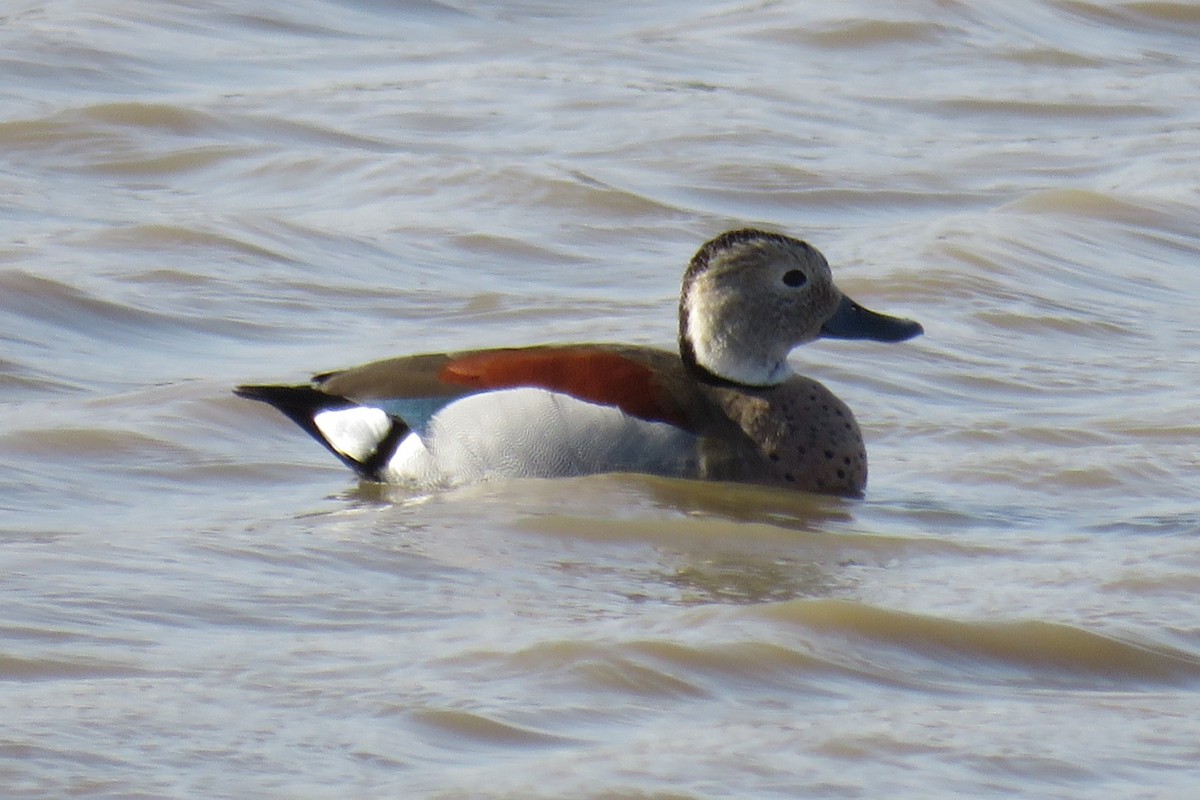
{"x": 727, "y": 354}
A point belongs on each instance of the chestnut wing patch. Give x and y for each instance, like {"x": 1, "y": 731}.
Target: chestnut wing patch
{"x": 596, "y": 376}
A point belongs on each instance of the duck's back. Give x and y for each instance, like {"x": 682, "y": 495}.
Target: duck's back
{"x": 549, "y": 411}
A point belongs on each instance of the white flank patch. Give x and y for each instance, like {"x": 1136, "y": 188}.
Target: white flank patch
{"x": 354, "y": 432}
{"x": 413, "y": 463}
{"x": 410, "y": 448}
{"x": 522, "y": 433}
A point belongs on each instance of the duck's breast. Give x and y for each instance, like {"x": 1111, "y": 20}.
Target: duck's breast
{"x": 798, "y": 434}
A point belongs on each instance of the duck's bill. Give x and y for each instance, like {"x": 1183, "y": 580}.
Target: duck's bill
{"x": 852, "y": 321}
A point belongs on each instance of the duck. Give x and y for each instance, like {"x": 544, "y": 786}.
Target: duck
{"x": 725, "y": 406}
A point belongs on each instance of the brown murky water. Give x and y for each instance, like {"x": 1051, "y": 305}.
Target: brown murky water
{"x": 198, "y": 602}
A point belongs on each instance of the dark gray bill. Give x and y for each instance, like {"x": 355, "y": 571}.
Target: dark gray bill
{"x": 852, "y": 321}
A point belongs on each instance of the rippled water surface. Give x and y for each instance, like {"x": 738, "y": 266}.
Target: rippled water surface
{"x": 198, "y": 602}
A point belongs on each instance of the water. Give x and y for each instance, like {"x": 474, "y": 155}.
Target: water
{"x": 198, "y": 601}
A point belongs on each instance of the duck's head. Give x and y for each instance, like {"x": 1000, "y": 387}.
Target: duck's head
{"x": 749, "y": 297}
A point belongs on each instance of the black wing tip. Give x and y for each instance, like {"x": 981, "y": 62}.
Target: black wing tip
{"x": 249, "y": 392}
{"x": 276, "y": 394}
{"x": 298, "y": 403}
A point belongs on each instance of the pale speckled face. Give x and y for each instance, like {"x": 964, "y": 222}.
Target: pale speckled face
{"x": 749, "y": 297}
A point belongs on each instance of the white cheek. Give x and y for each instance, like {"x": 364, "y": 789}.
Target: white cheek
{"x": 703, "y": 329}
{"x": 734, "y": 351}
{"x": 354, "y": 432}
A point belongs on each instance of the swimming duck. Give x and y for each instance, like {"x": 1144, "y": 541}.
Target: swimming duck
{"x": 727, "y": 406}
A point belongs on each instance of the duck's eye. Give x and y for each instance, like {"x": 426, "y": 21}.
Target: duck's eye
{"x": 794, "y": 278}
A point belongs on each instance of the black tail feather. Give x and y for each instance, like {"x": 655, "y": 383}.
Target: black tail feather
{"x": 301, "y": 404}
